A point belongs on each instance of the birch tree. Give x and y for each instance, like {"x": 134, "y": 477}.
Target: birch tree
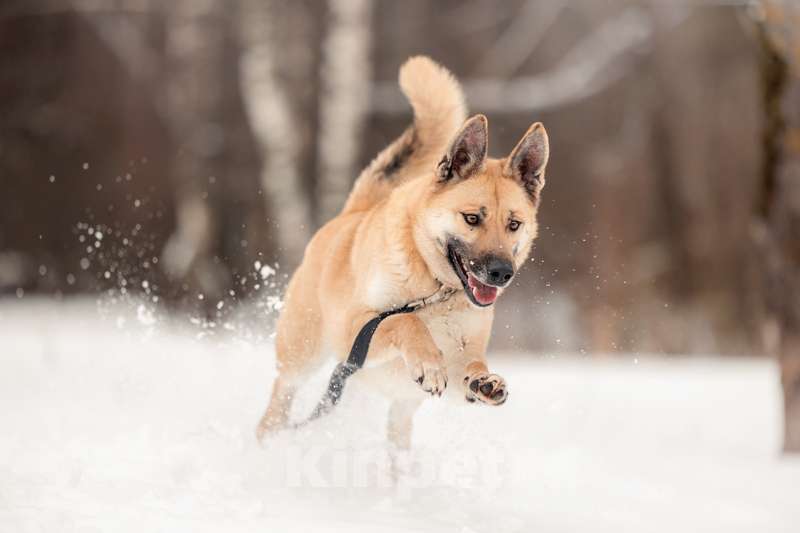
{"x": 275, "y": 120}
{"x": 344, "y": 100}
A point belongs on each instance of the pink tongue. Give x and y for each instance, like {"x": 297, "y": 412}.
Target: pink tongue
{"x": 484, "y": 294}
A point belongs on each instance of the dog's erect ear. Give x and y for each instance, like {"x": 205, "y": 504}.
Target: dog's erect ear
{"x": 528, "y": 160}
{"x": 467, "y": 152}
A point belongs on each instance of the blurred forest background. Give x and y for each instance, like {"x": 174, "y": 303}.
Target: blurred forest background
{"x": 163, "y": 147}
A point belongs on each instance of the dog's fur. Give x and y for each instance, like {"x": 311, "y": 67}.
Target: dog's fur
{"x": 432, "y": 209}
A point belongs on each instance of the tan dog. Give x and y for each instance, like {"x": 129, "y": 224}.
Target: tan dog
{"x": 431, "y": 210}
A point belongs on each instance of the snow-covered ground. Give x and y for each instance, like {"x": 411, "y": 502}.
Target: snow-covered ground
{"x": 127, "y": 424}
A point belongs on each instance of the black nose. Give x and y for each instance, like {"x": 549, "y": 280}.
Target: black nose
{"x": 499, "y": 271}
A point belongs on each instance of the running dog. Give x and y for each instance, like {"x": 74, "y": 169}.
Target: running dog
{"x": 431, "y": 212}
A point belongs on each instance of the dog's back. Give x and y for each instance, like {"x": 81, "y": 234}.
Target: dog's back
{"x": 439, "y": 111}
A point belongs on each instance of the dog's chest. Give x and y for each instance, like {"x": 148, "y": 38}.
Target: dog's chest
{"x": 449, "y": 325}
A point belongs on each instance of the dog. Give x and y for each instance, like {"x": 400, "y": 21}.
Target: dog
{"x": 431, "y": 211}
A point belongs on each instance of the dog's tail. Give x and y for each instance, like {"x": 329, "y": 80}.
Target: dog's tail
{"x": 439, "y": 111}
{"x": 437, "y": 100}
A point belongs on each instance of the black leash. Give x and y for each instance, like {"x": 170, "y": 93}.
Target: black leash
{"x": 358, "y": 352}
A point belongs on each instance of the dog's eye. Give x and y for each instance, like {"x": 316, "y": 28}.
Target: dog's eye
{"x": 472, "y": 220}
{"x": 514, "y": 225}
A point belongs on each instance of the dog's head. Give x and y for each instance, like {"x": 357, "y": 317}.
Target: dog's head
{"x": 476, "y": 225}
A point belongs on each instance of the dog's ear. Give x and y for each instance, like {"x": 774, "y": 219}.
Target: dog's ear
{"x": 467, "y": 151}
{"x": 528, "y": 160}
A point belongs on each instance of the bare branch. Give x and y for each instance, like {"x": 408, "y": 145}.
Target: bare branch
{"x": 518, "y": 42}
{"x": 592, "y": 65}
{"x": 122, "y": 35}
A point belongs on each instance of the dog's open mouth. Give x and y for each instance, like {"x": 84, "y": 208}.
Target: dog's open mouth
{"x": 479, "y": 293}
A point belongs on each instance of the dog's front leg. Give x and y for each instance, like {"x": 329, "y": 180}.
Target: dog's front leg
{"x": 424, "y": 360}
{"x": 482, "y": 386}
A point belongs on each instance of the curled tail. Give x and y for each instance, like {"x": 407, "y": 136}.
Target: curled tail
{"x": 439, "y": 111}
{"x": 437, "y": 100}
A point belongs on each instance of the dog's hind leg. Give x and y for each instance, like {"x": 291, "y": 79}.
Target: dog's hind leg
{"x": 401, "y": 422}
{"x": 290, "y": 377}
{"x": 277, "y": 414}
{"x": 400, "y": 426}
{"x": 297, "y": 350}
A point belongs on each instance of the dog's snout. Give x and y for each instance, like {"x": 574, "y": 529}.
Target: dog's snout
{"x": 499, "y": 271}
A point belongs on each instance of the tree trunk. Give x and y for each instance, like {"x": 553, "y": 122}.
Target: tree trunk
{"x": 276, "y": 111}
{"x": 780, "y": 199}
{"x": 194, "y": 94}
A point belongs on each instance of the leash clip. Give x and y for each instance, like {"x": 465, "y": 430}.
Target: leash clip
{"x": 441, "y": 295}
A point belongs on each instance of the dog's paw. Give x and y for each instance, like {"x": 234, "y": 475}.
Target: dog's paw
{"x": 430, "y": 374}
{"x": 487, "y": 388}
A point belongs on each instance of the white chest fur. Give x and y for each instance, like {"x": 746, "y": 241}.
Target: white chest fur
{"x": 450, "y": 323}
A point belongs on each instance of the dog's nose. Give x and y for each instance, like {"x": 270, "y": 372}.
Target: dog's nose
{"x": 499, "y": 271}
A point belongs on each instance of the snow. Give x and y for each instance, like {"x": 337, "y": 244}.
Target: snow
{"x": 127, "y": 421}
